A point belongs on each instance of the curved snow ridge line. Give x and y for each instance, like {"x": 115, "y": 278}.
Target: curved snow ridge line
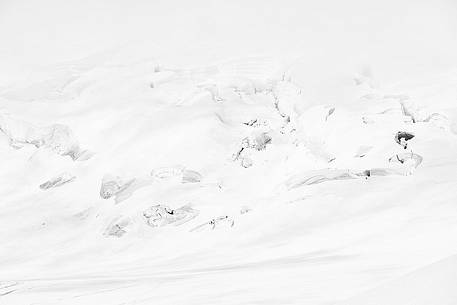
{"x": 408, "y": 163}
{"x": 319, "y": 176}
{"x": 63, "y": 81}
{"x": 311, "y": 258}
{"x": 7, "y": 287}
{"x": 432, "y": 284}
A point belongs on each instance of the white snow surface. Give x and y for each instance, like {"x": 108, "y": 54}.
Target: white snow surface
{"x": 214, "y": 152}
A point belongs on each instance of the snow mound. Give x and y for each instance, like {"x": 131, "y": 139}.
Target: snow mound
{"x": 57, "y": 137}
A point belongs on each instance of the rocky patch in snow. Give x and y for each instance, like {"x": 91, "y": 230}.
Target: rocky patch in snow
{"x": 118, "y": 227}
{"x": 120, "y": 188}
{"x": 161, "y": 215}
{"x": 215, "y": 223}
{"x": 406, "y": 162}
{"x": 402, "y": 138}
{"x": 59, "y": 180}
{"x": 257, "y": 141}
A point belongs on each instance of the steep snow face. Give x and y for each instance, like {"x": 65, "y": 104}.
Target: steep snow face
{"x": 194, "y": 169}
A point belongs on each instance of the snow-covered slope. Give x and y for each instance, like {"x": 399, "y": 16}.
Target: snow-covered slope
{"x": 434, "y": 284}
{"x": 204, "y": 170}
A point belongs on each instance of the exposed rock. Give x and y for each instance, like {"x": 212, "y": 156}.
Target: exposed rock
{"x": 402, "y": 137}
{"x": 330, "y": 112}
{"x": 251, "y": 122}
{"x": 161, "y": 215}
